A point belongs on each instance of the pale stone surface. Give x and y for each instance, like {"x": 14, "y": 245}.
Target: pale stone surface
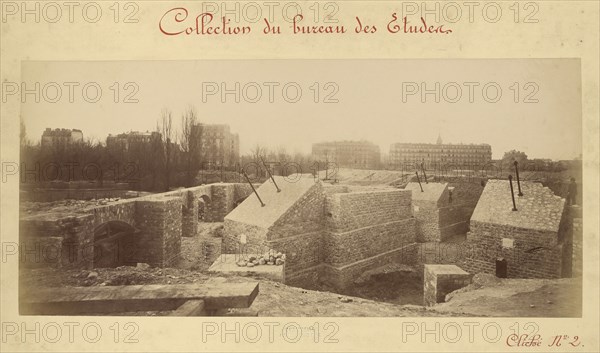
{"x": 537, "y": 209}
{"x": 276, "y": 203}
{"x": 431, "y": 191}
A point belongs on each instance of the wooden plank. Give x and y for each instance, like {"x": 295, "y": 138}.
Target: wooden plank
{"x": 237, "y": 313}
{"x": 190, "y": 308}
{"x": 114, "y": 299}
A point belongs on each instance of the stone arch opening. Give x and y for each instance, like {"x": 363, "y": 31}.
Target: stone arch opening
{"x": 113, "y": 244}
{"x": 203, "y": 205}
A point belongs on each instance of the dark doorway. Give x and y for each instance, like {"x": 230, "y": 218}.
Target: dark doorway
{"x": 113, "y": 244}
{"x": 501, "y": 268}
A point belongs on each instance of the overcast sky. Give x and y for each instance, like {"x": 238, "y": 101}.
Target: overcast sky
{"x": 369, "y": 96}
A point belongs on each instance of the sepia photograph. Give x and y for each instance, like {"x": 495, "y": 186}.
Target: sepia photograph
{"x": 299, "y": 176}
{"x": 251, "y": 188}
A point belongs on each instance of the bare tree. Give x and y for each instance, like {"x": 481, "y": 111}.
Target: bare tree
{"x": 190, "y": 140}
{"x": 282, "y": 154}
{"x": 256, "y": 153}
{"x": 165, "y": 128}
{"x": 23, "y": 136}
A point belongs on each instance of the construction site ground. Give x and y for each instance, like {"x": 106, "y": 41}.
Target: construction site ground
{"x": 386, "y": 295}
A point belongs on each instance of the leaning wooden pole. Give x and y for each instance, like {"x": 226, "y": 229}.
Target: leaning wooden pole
{"x": 270, "y": 175}
{"x": 419, "y": 180}
{"x": 512, "y": 193}
{"x": 518, "y": 181}
{"x": 253, "y": 189}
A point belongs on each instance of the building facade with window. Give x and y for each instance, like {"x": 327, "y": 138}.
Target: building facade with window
{"x": 61, "y": 137}
{"x": 458, "y": 156}
{"x": 127, "y": 141}
{"x": 348, "y": 154}
{"x": 218, "y": 145}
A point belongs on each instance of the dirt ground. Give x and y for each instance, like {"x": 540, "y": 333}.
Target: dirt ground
{"x": 274, "y": 299}
{"x": 491, "y": 296}
{"x": 505, "y": 298}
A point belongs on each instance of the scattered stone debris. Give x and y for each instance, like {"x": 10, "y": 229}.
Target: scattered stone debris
{"x": 270, "y": 259}
{"x": 68, "y": 205}
{"x": 143, "y": 266}
{"x": 346, "y": 300}
{"x": 92, "y": 275}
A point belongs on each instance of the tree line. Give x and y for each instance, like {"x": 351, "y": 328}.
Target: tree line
{"x": 173, "y": 158}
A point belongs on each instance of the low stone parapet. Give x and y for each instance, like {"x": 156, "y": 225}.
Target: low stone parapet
{"x": 439, "y": 280}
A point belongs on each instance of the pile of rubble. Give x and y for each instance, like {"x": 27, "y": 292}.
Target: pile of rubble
{"x": 265, "y": 259}
{"x": 67, "y": 205}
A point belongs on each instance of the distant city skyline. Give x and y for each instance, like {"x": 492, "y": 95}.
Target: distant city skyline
{"x": 373, "y": 101}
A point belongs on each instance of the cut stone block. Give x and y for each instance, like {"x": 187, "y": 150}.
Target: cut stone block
{"x": 439, "y": 280}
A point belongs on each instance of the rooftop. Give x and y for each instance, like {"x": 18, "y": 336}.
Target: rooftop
{"x": 431, "y": 191}
{"x": 437, "y": 144}
{"x": 251, "y": 212}
{"x": 59, "y": 132}
{"x": 345, "y": 142}
{"x": 537, "y": 209}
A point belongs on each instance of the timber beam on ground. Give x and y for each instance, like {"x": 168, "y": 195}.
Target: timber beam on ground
{"x": 184, "y": 299}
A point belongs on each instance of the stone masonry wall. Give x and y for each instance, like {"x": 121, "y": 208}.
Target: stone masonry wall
{"x": 162, "y": 219}
{"x": 343, "y": 276}
{"x": 351, "y": 211}
{"x": 439, "y": 280}
{"x": 441, "y": 218}
{"x": 256, "y": 237}
{"x": 241, "y": 191}
{"x": 220, "y": 204}
{"x": 577, "y": 260}
{"x": 159, "y": 220}
{"x": 454, "y": 219}
{"x": 362, "y": 224}
{"x": 219, "y": 201}
{"x": 467, "y": 192}
{"x": 223, "y": 198}
{"x": 122, "y": 211}
{"x": 302, "y": 252}
{"x": 533, "y": 254}
{"x": 189, "y": 215}
{"x": 364, "y": 230}
{"x": 305, "y": 216}
{"x": 297, "y": 233}
{"x": 335, "y": 189}
{"x": 60, "y": 242}
{"x": 348, "y": 247}
{"x": 427, "y": 218}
